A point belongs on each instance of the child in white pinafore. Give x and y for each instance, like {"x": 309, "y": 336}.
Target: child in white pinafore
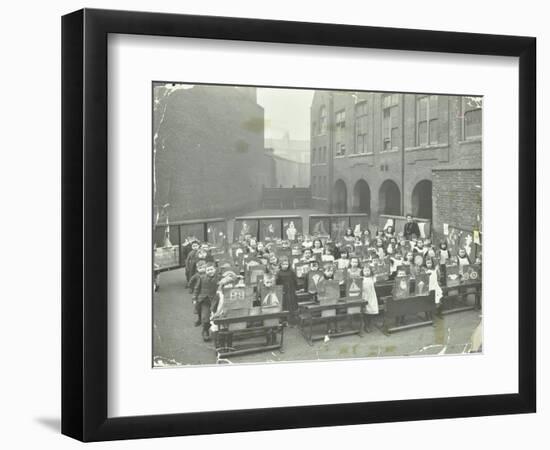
{"x": 369, "y": 294}
{"x": 433, "y": 281}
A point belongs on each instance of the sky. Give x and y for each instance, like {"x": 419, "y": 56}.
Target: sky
{"x": 286, "y": 110}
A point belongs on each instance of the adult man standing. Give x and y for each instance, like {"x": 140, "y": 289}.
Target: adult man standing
{"x": 411, "y": 228}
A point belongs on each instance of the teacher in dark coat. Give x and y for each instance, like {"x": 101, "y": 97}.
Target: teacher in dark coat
{"x": 411, "y": 228}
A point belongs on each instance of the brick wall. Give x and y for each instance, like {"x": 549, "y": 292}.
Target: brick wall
{"x": 210, "y": 159}
{"x": 378, "y": 166}
{"x": 456, "y": 198}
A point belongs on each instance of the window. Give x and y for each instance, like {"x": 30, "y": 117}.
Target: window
{"x": 471, "y": 122}
{"x": 313, "y": 151}
{"x": 340, "y": 119}
{"x": 314, "y": 186}
{"x": 427, "y": 130}
{"x": 325, "y": 154}
{"x": 361, "y": 139}
{"x": 340, "y": 149}
{"x": 324, "y": 192}
{"x": 323, "y": 120}
{"x": 390, "y": 121}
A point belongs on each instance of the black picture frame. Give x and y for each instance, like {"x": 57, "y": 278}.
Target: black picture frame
{"x": 84, "y": 224}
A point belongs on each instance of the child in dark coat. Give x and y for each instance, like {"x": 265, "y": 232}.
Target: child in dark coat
{"x": 206, "y": 296}
{"x": 286, "y": 277}
{"x": 201, "y": 270}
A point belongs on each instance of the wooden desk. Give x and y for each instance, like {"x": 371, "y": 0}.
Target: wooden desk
{"x": 266, "y": 325}
{"x": 406, "y": 307}
{"x": 311, "y": 314}
{"x": 459, "y": 294}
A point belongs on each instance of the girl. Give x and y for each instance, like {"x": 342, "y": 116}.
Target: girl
{"x": 349, "y": 237}
{"x": 463, "y": 260}
{"x": 379, "y": 246}
{"x": 434, "y": 283}
{"x": 317, "y": 248}
{"x": 366, "y": 237}
{"x": 287, "y": 278}
{"x": 354, "y": 270}
{"x": 343, "y": 261}
{"x": 327, "y": 255}
{"x": 389, "y": 232}
{"x": 444, "y": 258}
{"x": 273, "y": 266}
{"x": 369, "y": 295}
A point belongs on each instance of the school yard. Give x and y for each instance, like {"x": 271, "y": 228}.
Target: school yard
{"x": 176, "y": 341}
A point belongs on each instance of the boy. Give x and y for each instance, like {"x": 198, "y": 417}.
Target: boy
{"x": 201, "y": 270}
{"x": 205, "y": 295}
{"x": 190, "y": 261}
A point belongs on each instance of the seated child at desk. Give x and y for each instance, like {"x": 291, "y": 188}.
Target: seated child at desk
{"x": 354, "y": 269}
{"x": 270, "y": 299}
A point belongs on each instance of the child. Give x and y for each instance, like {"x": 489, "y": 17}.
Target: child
{"x": 328, "y": 275}
{"x": 273, "y": 265}
{"x": 190, "y": 260}
{"x": 431, "y": 270}
{"x": 463, "y": 258}
{"x": 317, "y": 248}
{"x": 354, "y": 269}
{"x": 369, "y": 295}
{"x": 286, "y": 277}
{"x": 327, "y": 255}
{"x": 270, "y": 299}
{"x": 205, "y": 295}
{"x": 343, "y": 261}
{"x": 201, "y": 270}
{"x": 444, "y": 259}
{"x": 349, "y": 236}
{"x": 307, "y": 256}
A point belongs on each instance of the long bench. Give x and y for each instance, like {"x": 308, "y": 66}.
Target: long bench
{"x": 268, "y": 326}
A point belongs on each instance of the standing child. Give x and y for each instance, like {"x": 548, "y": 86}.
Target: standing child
{"x": 191, "y": 260}
{"x": 432, "y": 271}
{"x": 205, "y": 294}
{"x": 286, "y": 277}
{"x": 369, "y": 295}
{"x": 444, "y": 255}
{"x": 201, "y": 270}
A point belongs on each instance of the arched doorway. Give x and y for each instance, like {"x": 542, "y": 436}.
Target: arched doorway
{"x": 422, "y": 200}
{"x": 340, "y": 197}
{"x": 389, "y": 198}
{"x": 361, "y": 197}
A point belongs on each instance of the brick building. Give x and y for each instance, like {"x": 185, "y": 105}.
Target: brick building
{"x": 209, "y": 151}
{"x": 390, "y": 153}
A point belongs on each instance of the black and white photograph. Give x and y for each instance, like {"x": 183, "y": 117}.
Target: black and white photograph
{"x": 298, "y": 225}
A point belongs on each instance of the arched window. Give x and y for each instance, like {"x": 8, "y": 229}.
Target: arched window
{"x": 361, "y": 197}
{"x": 340, "y": 197}
{"x": 422, "y": 200}
{"x": 389, "y": 198}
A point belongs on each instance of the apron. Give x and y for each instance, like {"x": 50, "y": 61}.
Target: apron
{"x": 369, "y": 294}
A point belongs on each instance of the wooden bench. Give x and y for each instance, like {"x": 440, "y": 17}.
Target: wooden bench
{"x": 459, "y": 294}
{"x": 269, "y": 326}
{"x": 409, "y": 306}
{"x": 311, "y": 314}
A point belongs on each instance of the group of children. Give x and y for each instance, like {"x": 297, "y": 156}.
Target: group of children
{"x": 357, "y": 254}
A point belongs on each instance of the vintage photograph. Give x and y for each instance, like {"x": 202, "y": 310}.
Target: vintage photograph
{"x": 314, "y": 224}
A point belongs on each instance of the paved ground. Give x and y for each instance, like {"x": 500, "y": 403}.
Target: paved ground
{"x": 178, "y": 342}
